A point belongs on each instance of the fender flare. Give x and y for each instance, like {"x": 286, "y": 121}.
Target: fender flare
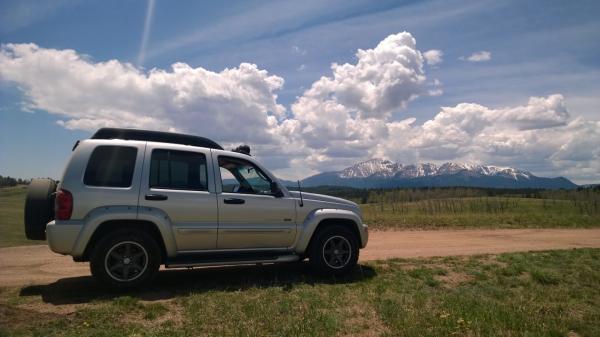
{"x": 314, "y": 218}
{"x": 96, "y": 217}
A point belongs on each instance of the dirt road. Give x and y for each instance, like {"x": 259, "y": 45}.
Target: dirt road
{"x": 29, "y": 265}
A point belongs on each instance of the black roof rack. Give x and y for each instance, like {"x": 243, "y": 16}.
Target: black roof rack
{"x": 155, "y": 136}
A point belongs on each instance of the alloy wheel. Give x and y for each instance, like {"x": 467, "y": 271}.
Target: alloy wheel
{"x": 337, "y": 252}
{"x": 126, "y": 261}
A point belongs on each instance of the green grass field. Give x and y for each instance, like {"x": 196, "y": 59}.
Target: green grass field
{"x": 551, "y": 293}
{"x": 407, "y": 209}
{"x": 12, "y": 201}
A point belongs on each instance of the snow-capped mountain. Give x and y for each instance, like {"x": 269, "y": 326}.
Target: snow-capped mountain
{"x": 385, "y": 173}
{"x": 373, "y": 167}
{"x": 386, "y": 168}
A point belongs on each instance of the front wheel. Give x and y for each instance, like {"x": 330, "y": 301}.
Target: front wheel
{"x": 125, "y": 258}
{"x": 334, "y": 251}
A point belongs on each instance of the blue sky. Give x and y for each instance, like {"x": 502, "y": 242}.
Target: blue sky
{"x": 536, "y": 48}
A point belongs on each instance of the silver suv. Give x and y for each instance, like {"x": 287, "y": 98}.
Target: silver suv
{"x": 132, "y": 200}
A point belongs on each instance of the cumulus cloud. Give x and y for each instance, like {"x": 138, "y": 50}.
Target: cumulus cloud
{"x": 459, "y": 125}
{"x": 540, "y": 135}
{"x": 480, "y": 56}
{"x": 384, "y": 79}
{"x": 229, "y": 105}
{"x": 356, "y": 112}
{"x": 433, "y": 56}
{"x": 345, "y": 113}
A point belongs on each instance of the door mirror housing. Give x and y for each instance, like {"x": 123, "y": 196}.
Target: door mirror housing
{"x": 276, "y": 190}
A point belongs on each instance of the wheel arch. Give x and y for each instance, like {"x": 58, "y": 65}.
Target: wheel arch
{"x": 329, "y": 222}
{"x": 110, "y": 217}
{"x": 323, "y": 218}
{"x": 109, "y": 226}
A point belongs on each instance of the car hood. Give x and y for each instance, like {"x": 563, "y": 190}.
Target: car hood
{"x": 327, "y": 201}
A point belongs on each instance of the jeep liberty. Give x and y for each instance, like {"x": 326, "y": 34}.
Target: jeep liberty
{"x": 131, "y": 200}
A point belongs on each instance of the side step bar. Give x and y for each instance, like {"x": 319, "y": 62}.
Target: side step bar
{"x": 205, "y": 261}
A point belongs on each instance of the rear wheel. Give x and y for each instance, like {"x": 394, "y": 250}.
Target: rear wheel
{"x": 334, "y": 251}
{"x": 125, "y": 258}
{"x": 39, "y": 208}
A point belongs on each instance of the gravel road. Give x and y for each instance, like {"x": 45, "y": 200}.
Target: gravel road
{"x": 29, "y": 265}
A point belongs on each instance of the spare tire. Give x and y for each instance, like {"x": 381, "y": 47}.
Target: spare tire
{"x": 39, "y": 208}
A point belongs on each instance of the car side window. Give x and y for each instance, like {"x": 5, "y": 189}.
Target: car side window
{"x": 241, "y": 176}
{"x": 178, "y": 170}
{"x": 110, "y": 166}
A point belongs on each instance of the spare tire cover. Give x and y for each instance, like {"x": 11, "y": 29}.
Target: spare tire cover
{"x": 39, "y": 208}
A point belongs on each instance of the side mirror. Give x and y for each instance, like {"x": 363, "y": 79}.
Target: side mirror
{"x": 276, "y": 190}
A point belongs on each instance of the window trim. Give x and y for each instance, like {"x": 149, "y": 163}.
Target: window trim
{"x": 256, "y": 167}
{"x": 170, "y": 188}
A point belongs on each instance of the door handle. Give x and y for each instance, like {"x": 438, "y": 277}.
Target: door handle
{"x": 234, "y": 201}
{"x": 156, "y": 197}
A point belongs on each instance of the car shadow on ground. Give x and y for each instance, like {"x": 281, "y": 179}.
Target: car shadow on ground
{"x": 172, "y": 283}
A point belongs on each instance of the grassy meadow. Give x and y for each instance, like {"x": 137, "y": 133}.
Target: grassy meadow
{"x": 12, "y": 201}
{"x": 553, "y": 293}
{"x": 458, "y": 207}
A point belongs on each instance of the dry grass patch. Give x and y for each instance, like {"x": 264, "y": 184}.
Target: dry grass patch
{"x": 15, "y": 317}
{"x": 362, "y": 319}
{"x": 454, "y": 279}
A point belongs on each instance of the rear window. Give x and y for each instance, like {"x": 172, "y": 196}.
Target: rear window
{"x": 111, "y": 166}
{"x": 178, "y": 170}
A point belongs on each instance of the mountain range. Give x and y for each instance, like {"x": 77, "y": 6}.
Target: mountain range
{"x": 382, "y": 173}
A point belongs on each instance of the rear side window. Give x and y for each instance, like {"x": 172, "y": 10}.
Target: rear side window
{"x": 178, "y": 170}
{"x": 111, "y": 166}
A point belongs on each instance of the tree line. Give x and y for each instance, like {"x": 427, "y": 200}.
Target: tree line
{"x": 10, "y": 181}
{"x": 395, "y": 195}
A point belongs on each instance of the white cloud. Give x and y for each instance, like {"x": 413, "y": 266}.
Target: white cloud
{"x": 230, "y": 105}
{"x": 352, "y": 114}
{"x": 459, "y": 125}
{"x": 480, "y": 56}
{"x": 540, "y": 134}
{"x": 433, "y": 56}
{"x": 343, "y": 115}
{"x": 383, "y": 80}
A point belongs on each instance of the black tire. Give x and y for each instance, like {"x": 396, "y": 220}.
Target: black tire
{"x": 320, "y": 249}
{"x": 109, "y": 251}
{"x": 39, "y": 208}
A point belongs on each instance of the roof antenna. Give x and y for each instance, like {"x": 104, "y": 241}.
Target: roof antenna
{"x": 300, "y": 190}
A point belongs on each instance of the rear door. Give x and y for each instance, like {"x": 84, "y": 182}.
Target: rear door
{"x": 250, "y": 216}
{"x": 180, "y": 181}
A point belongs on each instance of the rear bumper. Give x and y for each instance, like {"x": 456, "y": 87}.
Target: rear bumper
{"x": 62, "y": 237}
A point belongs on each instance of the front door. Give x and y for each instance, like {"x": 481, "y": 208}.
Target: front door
{"x": 179, "y": 182}
{"x": 250, "y": 216}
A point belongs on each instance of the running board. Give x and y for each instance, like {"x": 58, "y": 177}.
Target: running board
{"x": 205, "y": 261}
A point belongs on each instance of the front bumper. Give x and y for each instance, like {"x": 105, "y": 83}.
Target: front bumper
{"x": 364, "y": 235}
{"x": 62, "y": 237}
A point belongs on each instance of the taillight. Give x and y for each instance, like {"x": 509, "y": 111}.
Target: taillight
{"x": 63, "y": 205}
